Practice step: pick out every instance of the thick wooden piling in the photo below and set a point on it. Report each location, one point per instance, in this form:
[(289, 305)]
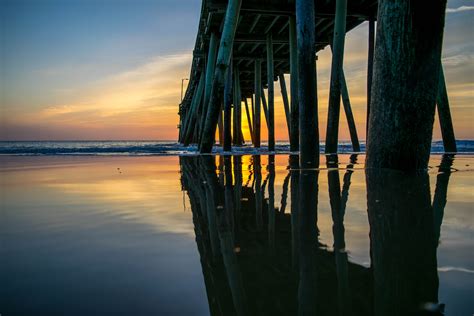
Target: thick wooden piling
[(349, 116), (294, 113), (228, 111), (258, 99), (220, 127), (286, 104), (210, 69), (405, 84), (370, 70), (189, 126), (237, 109), (308, 106), (223, 59), (444, 114), (271, 94), (336, 70)]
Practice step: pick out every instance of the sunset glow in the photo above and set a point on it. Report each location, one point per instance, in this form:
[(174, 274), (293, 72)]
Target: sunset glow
[(119, 83)]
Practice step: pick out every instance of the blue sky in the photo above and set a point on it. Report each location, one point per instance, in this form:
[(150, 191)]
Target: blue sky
[(84, 69)]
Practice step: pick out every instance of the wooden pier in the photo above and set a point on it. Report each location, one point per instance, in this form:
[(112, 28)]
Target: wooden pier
[(243, 47)]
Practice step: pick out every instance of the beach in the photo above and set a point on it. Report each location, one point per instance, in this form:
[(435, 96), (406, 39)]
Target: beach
[(131, 235)]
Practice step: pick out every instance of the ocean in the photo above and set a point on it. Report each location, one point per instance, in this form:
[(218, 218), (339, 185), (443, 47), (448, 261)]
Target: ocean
[(163, 148)]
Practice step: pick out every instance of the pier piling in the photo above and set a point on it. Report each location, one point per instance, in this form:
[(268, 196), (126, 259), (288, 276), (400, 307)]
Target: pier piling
[(267, 39)]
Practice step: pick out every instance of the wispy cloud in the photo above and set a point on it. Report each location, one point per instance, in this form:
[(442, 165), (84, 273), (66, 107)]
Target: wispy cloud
[(144, 97), (460, 9)]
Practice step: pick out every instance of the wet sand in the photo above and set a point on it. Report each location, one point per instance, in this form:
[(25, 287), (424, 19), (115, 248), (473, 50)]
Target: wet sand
[(137, 235)]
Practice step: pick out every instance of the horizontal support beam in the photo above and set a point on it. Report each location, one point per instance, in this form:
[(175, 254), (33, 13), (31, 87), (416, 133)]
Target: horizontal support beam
[(273, 9)]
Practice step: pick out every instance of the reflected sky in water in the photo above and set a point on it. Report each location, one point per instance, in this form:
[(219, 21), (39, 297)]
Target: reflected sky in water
[(118, 235)]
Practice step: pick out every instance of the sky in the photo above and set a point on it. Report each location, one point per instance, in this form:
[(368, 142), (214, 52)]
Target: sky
[(112, 69)]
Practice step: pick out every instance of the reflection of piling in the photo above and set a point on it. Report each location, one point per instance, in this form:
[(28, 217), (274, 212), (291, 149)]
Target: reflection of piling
[(237, 195), (271, 201), (295, 179), (307, 238), (258, 192), (441, 192), (242, 277), (403, 242), (337, 211), (284, 193)]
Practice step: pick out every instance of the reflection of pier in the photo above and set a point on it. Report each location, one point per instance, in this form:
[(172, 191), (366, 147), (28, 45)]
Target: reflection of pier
[(258, 260)]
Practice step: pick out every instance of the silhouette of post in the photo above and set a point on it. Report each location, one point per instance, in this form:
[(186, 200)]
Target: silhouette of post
[(223, 60), (444, 114), (257, 102), (294, 113), (308, 106), (334, 106), (228, 111), (286, 104), (405, 83), (210, 70)]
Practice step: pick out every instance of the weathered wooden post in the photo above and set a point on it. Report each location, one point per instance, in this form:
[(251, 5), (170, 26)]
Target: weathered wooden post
[(334, 105), (210, 69), (308, 114), (294, 113), (286, 104), (237, 109), (258, 99), (220, 127), (190, 123), (249, 121), (444, 114), (264, 107), (370, 70), (182, 117), (349, 116), (348, 111), (223, 59), (271, 94), (405, 84), (228, 110)]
